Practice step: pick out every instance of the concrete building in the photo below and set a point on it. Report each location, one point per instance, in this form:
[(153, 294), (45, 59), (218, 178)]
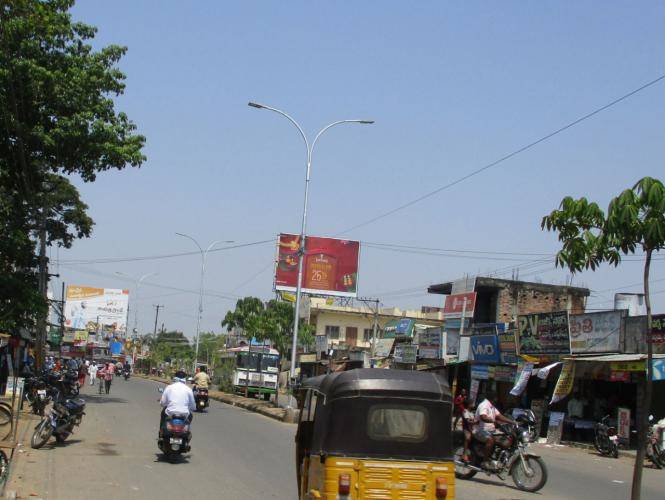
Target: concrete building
[(501, 300), (352, 325)]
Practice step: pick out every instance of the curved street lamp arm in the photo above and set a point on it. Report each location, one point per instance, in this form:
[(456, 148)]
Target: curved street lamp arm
[(288, 117), (189, 237), (338, 122)]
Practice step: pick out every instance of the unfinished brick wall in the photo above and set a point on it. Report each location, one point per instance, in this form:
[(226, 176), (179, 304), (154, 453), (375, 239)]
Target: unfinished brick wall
[(526, 300)]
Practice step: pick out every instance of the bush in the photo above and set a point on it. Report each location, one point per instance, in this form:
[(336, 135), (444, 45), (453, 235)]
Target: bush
[(224, 374)]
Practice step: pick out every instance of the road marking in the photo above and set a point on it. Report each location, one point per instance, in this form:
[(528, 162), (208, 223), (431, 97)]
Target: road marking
[(617, 481)]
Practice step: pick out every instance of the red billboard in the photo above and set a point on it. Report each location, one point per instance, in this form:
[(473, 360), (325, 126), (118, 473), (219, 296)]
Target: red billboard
[(330, 265), (454, 305)]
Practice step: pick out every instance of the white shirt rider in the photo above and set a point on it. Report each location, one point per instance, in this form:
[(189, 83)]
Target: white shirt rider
[(487, 409), (178, 399)]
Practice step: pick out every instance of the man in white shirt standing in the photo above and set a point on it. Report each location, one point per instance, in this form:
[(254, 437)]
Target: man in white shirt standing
[(487, 415), (92, 372), (177, 399)]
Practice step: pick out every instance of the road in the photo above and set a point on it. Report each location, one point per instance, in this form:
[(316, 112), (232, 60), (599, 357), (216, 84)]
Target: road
[(241, 455)]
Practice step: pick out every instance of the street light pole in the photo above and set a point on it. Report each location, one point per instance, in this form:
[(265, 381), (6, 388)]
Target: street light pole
[(303, 229), (204, 254), (136, 297)]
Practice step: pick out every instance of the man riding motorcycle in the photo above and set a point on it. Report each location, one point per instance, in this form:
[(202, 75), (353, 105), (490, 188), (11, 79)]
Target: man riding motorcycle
[(201, 379), (487, 415), (177, 399)]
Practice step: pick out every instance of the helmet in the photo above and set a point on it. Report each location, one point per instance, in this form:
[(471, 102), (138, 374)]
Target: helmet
[(180, 375)]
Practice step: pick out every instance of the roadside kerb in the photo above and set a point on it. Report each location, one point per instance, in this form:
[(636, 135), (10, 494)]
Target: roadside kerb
[(26, 423), (262, 407)]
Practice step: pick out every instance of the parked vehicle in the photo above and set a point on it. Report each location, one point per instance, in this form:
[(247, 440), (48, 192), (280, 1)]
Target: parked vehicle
[(655, 451), (38, 394), (509, 457), (201, 398), (60, 422), (375, 433), (606, 438), (256, 370)]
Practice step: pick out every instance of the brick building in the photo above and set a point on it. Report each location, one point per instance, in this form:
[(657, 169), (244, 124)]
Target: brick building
[(501, 300)]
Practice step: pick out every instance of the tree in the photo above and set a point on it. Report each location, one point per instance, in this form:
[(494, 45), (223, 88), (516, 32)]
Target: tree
[(59, 118), (635, 220), (240, 317)]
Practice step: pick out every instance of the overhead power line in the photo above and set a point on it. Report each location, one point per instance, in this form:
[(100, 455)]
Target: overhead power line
[(505, 157)]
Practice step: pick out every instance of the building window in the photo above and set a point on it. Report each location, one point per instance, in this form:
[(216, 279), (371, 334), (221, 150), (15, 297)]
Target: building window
[(332, 332), (368, 332)]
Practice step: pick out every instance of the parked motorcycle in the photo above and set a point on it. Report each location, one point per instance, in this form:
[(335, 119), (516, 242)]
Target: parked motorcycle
[(509, 457), (654, 450), (606, 438), (201, 398), (60, 422), (38, 394)]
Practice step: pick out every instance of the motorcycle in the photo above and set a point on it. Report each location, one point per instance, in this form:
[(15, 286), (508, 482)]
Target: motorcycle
[(606, 438), (37, 394), (126, 374), (60, 422), (526, 420), (509, 457), (201, 398), (174, 436), (654, 450)]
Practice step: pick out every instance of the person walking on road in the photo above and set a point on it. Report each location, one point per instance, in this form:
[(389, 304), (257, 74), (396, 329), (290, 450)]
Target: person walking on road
[(92, 372), (101, 375), (108, 376)]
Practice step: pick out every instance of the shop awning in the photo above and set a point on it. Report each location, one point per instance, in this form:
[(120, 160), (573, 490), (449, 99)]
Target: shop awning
[(615, 358)]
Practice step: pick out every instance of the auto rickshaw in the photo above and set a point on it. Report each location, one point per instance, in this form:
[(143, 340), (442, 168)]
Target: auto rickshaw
[(372, 433)]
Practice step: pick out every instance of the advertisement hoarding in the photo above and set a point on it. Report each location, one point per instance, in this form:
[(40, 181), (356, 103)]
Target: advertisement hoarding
[(88, 308), (330, 265), (406, 353), (485, 348), (507, 349), (595, 332), (658, 329), (454, 305), (429, 343), (543, 333)]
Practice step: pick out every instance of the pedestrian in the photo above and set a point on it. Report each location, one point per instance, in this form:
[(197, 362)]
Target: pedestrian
[(108, 376), (101, 375), (83, 372), (460, 403), (92, 372)]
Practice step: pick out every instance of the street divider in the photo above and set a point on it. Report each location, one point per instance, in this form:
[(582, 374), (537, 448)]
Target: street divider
[(265, 408)]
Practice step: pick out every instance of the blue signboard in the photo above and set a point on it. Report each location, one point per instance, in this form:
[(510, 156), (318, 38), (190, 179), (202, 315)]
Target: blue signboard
[(485, 348), (480, 372), (658, 366), (116, 347)]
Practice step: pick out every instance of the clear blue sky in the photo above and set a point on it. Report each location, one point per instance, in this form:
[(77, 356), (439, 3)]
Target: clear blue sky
[(452, 86)]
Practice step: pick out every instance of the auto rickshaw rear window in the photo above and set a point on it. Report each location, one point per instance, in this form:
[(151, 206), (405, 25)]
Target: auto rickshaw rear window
[(397, 423)]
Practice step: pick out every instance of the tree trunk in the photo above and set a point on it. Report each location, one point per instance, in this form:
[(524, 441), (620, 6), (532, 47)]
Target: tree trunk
[(636, 490)]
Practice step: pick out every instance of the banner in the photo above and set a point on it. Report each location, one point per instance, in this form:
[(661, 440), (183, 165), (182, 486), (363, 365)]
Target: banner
[(523, 379), (595, 332), (480, 372), (658, 367), (473, 390), (429, 343), (544, 333), (485, 348), (330, 265), (623, 423), (454, 305), (90, 309), (658, 329), (383, 347), (565, 383), (406, 353)]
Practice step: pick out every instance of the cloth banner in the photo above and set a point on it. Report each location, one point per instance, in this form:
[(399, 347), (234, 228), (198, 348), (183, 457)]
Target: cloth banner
[(565, 383), (544, 372), (523, 379)]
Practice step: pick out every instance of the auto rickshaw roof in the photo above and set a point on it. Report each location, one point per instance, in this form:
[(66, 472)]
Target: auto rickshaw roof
[(380, 382)]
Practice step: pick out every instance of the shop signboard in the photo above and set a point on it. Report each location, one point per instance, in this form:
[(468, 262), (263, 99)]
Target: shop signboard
[(485, 348), (406, 353), (399, 328), (520, 383), (458, 303), (623, 423), (68, 336), (504, 373), (543, 334), (480, 372), (330, 265), (464, 349), (91, 309), (658, 329), (116, 348), (595, 332), (658, 366), (507, 349), (383, 347), (473, 390), (456, 323), (628, 366), (429, 343), (620, 376), (565, 383)]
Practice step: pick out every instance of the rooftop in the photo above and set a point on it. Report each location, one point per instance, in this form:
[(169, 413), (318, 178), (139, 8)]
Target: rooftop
[(487, 282)]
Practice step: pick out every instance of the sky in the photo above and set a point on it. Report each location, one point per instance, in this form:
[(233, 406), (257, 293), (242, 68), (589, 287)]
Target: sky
[(452, 88)]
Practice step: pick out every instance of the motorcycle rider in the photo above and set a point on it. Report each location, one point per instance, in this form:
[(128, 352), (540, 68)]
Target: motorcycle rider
[(202, 379), (177, 399), (487, 415), (127, 368)]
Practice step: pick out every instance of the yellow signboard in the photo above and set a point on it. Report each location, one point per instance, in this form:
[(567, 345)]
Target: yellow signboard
[(628, 366)]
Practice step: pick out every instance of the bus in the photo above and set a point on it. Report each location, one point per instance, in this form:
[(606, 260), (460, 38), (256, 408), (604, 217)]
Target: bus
[(262, 365)]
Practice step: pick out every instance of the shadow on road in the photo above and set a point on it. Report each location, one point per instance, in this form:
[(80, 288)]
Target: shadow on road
[(161, 458), (102, 399), (491, 482)]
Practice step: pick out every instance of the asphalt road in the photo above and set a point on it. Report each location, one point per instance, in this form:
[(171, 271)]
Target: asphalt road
[(241, 455)]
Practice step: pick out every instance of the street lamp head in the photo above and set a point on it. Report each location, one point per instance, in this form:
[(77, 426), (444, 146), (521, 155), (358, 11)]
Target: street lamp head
[(255, 105), (366, 122)]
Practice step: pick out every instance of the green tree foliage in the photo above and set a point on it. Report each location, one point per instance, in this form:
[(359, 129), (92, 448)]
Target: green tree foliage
[(635, 220), (58, 118), (172, 347)]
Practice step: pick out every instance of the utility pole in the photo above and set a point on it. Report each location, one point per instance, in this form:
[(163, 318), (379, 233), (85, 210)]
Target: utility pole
[(461, 332), (43, 287), (157, 308), (375, 326)]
